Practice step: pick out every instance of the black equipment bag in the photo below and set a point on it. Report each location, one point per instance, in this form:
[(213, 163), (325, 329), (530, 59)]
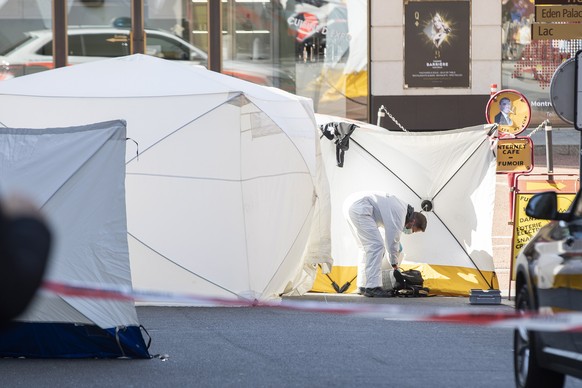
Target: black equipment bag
[(409, 284)]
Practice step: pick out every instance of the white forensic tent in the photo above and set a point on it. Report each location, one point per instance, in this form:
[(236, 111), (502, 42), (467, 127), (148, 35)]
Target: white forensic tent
[(76, 176), (224, 197), (453, 170)]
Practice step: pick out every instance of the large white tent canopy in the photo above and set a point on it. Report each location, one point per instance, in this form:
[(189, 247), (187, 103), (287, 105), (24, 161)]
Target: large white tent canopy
[(224, 198)]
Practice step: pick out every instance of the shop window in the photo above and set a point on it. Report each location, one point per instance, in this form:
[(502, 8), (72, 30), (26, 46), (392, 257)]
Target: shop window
[(528, 65)]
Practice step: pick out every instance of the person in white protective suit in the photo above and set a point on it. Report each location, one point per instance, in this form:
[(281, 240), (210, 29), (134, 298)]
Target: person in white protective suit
[(366, 213)]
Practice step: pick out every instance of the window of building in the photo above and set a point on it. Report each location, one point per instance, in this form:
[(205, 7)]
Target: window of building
[(529, 65), (312, 48)]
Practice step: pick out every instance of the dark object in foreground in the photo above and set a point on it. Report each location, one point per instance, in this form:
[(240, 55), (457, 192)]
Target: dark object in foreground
[(24, 249)]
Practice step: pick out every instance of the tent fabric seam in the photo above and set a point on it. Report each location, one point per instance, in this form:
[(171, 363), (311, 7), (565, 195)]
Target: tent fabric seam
[(386, 167), (242, 203), (460, 167), (221, 179), (235, 92), (183, 126), (111, 136), (286, 134), (297, 235), (184, 268)]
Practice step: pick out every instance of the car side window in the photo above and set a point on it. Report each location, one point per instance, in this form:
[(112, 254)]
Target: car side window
[(15, 46), (47, 49), (93, 45), (162, 47), (75, 45), (106, 45)]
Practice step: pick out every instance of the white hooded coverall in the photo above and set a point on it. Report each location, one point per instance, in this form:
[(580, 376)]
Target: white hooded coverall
[(366, 212)]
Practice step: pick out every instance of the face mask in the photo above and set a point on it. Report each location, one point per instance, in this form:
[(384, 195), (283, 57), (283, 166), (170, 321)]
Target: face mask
[(407, 231)]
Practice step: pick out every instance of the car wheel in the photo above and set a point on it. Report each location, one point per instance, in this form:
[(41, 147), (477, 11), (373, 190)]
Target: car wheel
[(528, 373)]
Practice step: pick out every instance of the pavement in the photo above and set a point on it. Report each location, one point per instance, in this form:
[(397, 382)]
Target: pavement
[(453, 302)]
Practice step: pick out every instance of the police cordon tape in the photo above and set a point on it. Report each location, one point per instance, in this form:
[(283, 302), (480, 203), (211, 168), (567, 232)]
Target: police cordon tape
[(505, 319)]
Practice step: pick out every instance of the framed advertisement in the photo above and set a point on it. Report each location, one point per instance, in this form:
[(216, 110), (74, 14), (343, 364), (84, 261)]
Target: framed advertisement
[(437, 43)]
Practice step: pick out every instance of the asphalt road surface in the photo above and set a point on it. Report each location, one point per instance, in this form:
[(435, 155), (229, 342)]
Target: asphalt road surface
[(267, 347)]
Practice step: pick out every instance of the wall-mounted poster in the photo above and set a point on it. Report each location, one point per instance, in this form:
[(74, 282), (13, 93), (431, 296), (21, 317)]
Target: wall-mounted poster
[(436, 43)]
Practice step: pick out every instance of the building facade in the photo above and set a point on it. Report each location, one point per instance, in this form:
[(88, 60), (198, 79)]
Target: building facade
[(429, 81), (430, 64)]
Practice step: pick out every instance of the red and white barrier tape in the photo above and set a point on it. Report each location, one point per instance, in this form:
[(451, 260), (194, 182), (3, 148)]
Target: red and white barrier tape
[(484, 316)]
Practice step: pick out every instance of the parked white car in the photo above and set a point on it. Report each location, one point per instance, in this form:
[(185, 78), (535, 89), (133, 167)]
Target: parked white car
[(90, 44), (85, 44)]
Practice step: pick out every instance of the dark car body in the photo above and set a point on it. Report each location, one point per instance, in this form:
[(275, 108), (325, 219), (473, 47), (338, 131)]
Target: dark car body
[(548, 275)]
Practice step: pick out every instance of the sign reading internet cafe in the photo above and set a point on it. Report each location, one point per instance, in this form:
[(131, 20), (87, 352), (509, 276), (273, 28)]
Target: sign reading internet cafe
[(514, 155)]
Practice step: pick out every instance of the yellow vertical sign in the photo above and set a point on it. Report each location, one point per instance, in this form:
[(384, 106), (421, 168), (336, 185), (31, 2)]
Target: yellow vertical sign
[(525, 227)]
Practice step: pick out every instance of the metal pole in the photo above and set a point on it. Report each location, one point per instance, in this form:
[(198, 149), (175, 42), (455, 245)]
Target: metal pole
[(380, 115), (549, 148), (60, 42), (215, 35), (137, 28), (276, 11)]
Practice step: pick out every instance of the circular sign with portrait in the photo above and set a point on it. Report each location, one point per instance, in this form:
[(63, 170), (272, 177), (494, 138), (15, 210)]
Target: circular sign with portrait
[(510, 109)]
